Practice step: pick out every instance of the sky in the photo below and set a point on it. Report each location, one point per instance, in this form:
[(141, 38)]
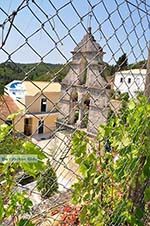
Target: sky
[(117, 25)]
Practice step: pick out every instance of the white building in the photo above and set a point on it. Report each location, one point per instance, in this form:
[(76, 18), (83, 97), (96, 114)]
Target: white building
[(130, 81), (15, 89)]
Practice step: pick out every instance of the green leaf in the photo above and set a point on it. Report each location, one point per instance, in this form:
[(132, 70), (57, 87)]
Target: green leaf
[(101, 133), (147, 167), (147, 195), (25, 222), (83, 215), (83, 169), (30, 148), (1, 208), (125, 139), (97, 179), (132, 104), (139, 213), (32, 168), (4, 129)]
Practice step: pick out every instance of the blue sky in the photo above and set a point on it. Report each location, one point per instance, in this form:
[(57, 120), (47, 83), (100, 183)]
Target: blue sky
[(118, 27)]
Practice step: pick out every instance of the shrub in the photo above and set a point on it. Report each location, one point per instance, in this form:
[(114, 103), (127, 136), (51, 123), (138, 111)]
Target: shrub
[(15, 204), (47, 182)]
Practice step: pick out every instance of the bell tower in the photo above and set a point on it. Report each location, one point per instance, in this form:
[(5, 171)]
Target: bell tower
[(85, 92)]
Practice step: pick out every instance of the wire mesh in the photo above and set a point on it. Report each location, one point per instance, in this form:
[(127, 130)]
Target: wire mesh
[(65, 65)]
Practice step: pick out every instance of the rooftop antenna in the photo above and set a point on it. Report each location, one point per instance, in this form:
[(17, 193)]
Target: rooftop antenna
[(89, 23)]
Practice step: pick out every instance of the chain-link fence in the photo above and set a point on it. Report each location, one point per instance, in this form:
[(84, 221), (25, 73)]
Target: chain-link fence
[(73, 75)]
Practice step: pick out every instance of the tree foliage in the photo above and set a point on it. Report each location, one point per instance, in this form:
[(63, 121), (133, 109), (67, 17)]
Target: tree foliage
[(114, 188), (14, 204), (141, 65), (122, 62)]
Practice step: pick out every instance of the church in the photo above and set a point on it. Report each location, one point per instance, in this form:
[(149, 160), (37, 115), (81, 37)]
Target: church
[(85, 91)]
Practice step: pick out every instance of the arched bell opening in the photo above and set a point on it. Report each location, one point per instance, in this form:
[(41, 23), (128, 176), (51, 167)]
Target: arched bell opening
[(86, 106), (74, 111)]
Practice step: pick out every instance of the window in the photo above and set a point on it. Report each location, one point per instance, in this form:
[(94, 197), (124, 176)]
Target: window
[(138, 81), (43, 105), (129, 80), (121, 80)]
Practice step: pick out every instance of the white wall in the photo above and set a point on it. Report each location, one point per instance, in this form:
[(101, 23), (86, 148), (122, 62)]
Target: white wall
[(130, 82)]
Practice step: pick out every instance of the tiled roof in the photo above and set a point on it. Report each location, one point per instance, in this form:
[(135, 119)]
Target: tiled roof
[(7, 107)]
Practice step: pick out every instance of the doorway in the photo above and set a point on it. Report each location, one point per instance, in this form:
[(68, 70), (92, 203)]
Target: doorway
[(28, 126), (41, 127)]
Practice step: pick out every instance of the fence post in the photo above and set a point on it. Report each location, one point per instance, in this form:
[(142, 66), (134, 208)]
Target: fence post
[(147, 84)]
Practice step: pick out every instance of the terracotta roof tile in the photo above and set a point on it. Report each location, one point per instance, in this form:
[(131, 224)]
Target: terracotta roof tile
[(7, 107)]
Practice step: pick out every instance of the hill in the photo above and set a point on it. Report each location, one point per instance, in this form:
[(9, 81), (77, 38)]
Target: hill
[(141, 64), (46, 71), (43, 72)]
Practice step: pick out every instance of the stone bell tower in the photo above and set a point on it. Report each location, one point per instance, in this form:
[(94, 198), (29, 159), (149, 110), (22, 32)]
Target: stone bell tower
[(85, 92)]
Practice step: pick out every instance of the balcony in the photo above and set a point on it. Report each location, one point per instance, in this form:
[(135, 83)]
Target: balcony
[(42, 114)]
